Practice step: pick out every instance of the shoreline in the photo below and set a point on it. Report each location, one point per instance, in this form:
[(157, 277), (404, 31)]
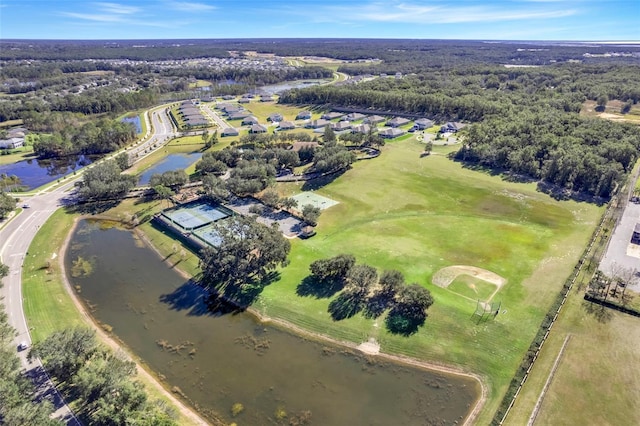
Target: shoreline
[(287, 326), (116, 345)]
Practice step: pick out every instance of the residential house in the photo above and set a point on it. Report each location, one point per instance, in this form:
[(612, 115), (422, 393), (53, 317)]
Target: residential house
[(361, 128), (266, 98), (238, 115), (397, 122), (423, 123), (275, 117), (374, 119), (286, 125), (249, 120), (228, 97), (354, 116), (319, 123), (244, 100), (332, 115), (341, 126), (390, 133), (196, 121), (297, 146), (230, 131), (451, 127), (258, 128), (11, 143), (230, 109), (303, 115)]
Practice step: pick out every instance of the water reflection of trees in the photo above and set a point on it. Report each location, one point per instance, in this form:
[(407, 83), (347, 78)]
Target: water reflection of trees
[(62, 166)]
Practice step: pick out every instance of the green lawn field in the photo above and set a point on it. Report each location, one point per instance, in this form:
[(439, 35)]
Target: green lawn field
[(419, 215)]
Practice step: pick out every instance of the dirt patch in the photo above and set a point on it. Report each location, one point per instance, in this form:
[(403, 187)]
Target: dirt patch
[(445, 276), (370, 347)]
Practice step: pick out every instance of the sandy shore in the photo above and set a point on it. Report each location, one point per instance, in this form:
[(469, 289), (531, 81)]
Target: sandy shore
[(370, 347)]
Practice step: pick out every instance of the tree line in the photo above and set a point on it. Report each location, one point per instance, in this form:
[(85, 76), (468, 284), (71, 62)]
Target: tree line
[(103, 381), (591, 156)]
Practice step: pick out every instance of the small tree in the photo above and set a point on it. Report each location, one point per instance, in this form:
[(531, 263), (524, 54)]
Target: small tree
[(329, 135), (205, 136), (360, 279), (289, 203), (428, 147), (310, 214), (213, 140), (601, 102), (163, 192), (4, 271), (271, 198), (123, 161)]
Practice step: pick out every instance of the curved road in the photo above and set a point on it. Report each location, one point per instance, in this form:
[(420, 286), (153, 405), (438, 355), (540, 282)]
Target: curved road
[(16, 236)]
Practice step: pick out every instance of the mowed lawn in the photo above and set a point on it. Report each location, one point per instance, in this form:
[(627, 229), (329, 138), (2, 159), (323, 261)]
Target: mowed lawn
[(47, 304), (418, 215)]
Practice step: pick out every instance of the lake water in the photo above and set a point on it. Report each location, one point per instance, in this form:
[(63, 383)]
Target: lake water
[(168, 163), (221, 360), (276, 89), (34, 173)]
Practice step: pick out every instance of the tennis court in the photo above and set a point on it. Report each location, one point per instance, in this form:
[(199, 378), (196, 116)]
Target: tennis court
[(314, 199), (209, 235), (196, 215)]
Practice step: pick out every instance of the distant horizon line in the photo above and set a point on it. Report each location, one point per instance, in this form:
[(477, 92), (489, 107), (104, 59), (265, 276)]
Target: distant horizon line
[(631, 42)]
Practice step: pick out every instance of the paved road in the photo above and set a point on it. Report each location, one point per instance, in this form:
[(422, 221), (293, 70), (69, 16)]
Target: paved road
[(616, 255), (215, 117), (15, 238)]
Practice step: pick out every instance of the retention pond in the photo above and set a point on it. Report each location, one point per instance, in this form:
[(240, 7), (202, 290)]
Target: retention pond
[(233, 365)]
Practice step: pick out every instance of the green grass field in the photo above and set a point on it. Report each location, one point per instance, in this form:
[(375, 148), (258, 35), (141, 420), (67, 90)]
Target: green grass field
[(18, 154), (472, 287), (419, 215)]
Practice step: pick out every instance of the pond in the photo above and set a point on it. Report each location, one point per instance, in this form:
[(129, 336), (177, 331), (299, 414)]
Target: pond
[(220, 360), (135, 121), (275, 89), (35, 172), (168, 163)]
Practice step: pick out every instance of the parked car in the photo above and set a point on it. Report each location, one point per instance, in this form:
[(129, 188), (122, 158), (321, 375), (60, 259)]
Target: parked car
[(25, 206), (22, 346)]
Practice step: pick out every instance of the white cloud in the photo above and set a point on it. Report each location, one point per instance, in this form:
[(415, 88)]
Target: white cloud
[(117, 8), (437, 12), (187, 6), (105, 12), (94, 17)]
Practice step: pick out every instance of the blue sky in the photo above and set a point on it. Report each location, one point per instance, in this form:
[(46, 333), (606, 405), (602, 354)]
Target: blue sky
[(438, 19)]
